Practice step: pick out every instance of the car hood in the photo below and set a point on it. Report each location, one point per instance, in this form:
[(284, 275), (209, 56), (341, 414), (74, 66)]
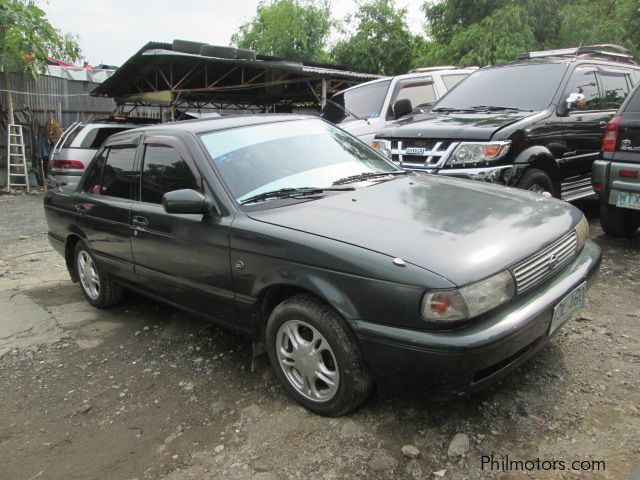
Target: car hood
[(459, 126), (462, 230)]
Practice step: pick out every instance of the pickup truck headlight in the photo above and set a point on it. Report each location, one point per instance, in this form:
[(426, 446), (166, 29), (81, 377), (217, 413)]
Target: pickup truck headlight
[(582, 231), (469, 301), (474, 152), (382, 146)]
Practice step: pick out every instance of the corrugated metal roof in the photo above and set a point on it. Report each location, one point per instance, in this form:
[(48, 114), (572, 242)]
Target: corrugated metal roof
[(157, 67)]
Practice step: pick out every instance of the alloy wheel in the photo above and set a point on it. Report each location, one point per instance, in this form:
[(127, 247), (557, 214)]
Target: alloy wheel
[(88, 275), (307, 361)]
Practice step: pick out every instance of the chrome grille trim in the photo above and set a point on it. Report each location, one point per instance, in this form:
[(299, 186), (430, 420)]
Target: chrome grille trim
[(545, 263), (421, 154)]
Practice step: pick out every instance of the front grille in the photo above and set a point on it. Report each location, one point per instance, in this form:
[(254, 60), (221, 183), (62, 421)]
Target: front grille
[(545, 263), (420, 153)]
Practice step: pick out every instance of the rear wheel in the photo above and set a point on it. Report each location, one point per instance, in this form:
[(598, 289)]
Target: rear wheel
[(536, 180), (97, 286), (316, 358), (618, 222)]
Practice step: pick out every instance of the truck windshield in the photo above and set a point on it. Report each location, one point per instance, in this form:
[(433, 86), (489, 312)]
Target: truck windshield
[(362, 102), (525, 87)]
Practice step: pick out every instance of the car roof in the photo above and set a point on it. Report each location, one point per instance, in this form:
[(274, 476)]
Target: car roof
[(450, 71), (203, 125)]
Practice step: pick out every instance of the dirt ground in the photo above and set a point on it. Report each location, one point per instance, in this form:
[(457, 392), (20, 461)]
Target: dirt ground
[(143, 391)]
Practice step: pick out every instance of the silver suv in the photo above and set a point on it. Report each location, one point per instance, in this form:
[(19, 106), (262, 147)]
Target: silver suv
[(77, 146)]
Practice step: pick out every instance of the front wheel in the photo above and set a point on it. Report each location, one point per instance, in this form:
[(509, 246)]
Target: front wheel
[(538, 181), (316, 358), (97, 286), (618, 222)]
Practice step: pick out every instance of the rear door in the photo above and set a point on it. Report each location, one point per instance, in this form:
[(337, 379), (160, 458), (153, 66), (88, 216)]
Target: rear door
[(183, 258), (104, 205), (624, 173)]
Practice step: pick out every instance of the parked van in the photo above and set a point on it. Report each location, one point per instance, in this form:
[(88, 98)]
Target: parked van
[(365, 109)]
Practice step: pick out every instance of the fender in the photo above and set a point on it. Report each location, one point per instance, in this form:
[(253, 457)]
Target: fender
[(537, 156)]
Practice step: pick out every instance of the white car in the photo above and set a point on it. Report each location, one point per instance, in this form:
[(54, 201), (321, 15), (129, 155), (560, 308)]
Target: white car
[(365, 109)]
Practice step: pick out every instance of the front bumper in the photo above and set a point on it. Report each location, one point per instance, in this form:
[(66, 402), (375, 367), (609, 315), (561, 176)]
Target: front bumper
[(498, 174), (444, 364)]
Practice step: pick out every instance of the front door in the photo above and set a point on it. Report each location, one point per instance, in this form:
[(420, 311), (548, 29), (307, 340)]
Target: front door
[(584, 126), (182, 258)]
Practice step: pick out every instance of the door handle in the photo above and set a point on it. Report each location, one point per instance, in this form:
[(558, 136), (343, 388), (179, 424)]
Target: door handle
[(80, 208), (603, 122), (139, 221)]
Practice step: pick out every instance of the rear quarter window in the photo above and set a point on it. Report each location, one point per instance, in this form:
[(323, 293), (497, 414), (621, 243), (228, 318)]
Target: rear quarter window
[(97, 136), (615, 86)]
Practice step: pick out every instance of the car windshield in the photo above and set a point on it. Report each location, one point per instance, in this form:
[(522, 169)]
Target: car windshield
[(362, 102), (299, 154), (523, 87)]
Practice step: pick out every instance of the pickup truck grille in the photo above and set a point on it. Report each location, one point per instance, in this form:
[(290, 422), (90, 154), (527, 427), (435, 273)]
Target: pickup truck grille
[(421, 154), (545, 263)]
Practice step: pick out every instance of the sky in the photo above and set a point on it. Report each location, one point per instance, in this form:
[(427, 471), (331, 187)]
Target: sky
[(111, 31)]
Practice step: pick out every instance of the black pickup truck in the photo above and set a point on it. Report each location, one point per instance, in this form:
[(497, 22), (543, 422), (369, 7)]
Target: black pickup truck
[(345, 268), (535, 123)]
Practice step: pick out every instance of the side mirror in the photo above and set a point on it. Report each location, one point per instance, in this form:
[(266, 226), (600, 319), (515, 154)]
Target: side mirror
[(185, 201), (574, 100), (402, 107)]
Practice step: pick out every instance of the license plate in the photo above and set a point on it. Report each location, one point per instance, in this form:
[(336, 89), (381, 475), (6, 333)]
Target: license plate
[(568, 306), (629, 200)]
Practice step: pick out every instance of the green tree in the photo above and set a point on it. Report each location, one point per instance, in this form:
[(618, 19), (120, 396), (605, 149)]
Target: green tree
[(292, 29), (26, 39), (381, 42), (605, 21)]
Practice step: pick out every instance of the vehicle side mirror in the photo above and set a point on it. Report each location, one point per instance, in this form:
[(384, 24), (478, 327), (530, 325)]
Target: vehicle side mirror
[(402, 107), (185, 201), (572, 101)]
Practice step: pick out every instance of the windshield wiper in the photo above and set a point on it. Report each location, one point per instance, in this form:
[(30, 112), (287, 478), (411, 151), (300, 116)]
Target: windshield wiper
[(367, 176), (495, 108), (289, 192), (451, 110), (344, 109)]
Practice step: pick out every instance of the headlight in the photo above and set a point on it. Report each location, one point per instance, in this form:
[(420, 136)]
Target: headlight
[(474, 152), (469, 301), (382, 146), (582, 231)]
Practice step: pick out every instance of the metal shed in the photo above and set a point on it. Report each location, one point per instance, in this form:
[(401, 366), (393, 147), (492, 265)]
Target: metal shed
[(185, 75)]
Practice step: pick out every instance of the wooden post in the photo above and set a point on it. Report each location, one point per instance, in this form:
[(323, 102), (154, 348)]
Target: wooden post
[(7, 83), (323, 95)]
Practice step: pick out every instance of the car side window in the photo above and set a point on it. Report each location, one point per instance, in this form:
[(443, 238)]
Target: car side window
[(97, 136), (119, 175), (616, 87), (452, 80), (91, 182), (164, 170), (420, 93), (584, 87)]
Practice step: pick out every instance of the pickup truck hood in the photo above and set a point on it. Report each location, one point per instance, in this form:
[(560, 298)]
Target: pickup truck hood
[(462, 230), (459, 126)]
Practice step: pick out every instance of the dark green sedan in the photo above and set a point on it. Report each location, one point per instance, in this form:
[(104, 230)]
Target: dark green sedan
[(348, 271)]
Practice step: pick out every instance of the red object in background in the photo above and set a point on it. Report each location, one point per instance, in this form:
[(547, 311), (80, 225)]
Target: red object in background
[(95, 190)]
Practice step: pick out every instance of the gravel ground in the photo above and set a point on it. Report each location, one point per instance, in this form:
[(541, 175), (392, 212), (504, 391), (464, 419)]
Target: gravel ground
[(143, 391)]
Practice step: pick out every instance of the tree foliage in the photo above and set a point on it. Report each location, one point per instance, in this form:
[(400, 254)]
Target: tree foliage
[(381, 41), (468, 32), (27, 38), (292, 29)]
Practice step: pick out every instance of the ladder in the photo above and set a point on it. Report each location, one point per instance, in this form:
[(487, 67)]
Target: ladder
[(17, 174)]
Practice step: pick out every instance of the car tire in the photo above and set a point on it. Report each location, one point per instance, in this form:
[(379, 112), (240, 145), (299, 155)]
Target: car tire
[(536, 180), (617, 222), (97, 286), (316, 358)]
